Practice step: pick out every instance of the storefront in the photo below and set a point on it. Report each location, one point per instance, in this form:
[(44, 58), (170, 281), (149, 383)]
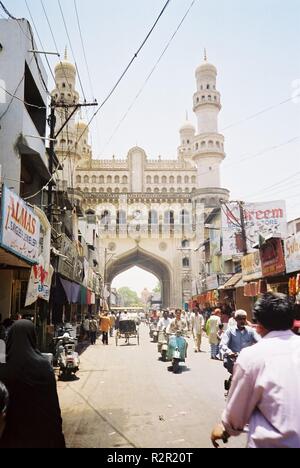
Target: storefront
[(19, 251), (292, 260)]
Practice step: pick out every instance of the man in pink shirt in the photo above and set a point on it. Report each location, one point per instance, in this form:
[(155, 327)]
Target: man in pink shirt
[(266, 382)]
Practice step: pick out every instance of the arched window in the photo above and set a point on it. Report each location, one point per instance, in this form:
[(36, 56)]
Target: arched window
[(148, 190), (109, 180), (153, 217), (179, 180), (164, 190), (203, 144), (117, 180), (125, 180), (172, 180), (86, 180), (94, 190), (94, 180), (101, 179), (78, 179), (186, 262), (169, 218), (148, 179), (86, 190), (109, 190), (197, 146), (122, 217), (210, 144), (208, 87), (187, 190), (101, 189), (156, 190), (194, 179), (186, 180), (179, 190), (218, 144), (105, 218), (117, 190), (164, 180), (209, 98), (156, 179), (185, 218), (185, 244), (124, 190), (172, 190)]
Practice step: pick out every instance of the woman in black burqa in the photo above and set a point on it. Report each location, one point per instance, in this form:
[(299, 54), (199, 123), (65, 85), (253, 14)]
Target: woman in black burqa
[(33, 416)]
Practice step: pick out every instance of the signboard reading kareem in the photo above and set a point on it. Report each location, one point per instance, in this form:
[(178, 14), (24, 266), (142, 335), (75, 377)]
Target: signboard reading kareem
[(20, 227)]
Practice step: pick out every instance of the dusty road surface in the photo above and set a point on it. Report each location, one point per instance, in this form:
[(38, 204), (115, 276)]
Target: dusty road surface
[(125, 397)]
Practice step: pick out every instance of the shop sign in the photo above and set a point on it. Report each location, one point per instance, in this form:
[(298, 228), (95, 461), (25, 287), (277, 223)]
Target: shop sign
[(272, 257), (20, 227), (292, 253), (67, 261), (260, 219), (212, 282), (223, 279), (251, 266), (39, 284)]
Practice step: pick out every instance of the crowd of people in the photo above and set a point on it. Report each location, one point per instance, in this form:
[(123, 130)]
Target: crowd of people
[(263, 396)]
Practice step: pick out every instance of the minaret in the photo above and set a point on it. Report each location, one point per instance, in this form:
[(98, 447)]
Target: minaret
[(66, 147), (208, 143), (187, 135)]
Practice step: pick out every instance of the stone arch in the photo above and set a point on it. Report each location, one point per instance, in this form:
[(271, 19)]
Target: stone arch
[(148, 262)]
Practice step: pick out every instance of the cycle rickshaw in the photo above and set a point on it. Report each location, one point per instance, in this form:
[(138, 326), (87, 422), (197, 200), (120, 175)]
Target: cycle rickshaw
[(127, 329)]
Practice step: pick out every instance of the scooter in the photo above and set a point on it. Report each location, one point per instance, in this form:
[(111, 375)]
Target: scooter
[(67, 358), (229, 361), (177, 350), (153, 333), (162, 346)]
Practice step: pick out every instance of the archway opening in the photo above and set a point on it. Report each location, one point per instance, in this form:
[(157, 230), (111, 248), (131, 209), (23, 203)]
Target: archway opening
[(146, 261), (137, 286)]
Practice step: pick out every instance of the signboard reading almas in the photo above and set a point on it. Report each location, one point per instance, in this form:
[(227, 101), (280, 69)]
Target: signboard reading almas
[(20, 227)]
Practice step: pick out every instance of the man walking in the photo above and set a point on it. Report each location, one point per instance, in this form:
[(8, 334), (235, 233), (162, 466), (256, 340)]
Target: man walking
[(266, 381), (105, 327), (197, 325)]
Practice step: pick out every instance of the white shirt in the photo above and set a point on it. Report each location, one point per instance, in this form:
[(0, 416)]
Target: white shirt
[(163, 323), (265, 392), (197, 322)]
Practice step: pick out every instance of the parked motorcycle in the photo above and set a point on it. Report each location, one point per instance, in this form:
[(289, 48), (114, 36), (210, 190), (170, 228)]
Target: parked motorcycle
[(177, 350), (66, 356), (163, 345)]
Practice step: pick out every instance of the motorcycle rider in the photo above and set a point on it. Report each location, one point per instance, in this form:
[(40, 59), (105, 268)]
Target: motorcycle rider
[(164, 321), (176, 324), (237, 338)]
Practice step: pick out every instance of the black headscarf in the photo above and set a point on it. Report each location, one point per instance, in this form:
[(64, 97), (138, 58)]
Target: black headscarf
[(33, 417), (23, 359)]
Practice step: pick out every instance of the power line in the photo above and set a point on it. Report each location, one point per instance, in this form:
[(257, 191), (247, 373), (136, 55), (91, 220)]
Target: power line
[(275, 185), (131, 62), (149, 76), (72, 50), (263, 111), (21, 100)]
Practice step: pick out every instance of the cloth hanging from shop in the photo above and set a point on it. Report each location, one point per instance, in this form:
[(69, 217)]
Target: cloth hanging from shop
[(72, 291), (83, 293)]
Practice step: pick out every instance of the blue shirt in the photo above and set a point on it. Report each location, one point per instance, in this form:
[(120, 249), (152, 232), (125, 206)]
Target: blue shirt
[(234, 340)]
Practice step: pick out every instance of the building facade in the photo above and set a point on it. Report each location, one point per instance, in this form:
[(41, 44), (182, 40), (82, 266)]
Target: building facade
[(147, 213)]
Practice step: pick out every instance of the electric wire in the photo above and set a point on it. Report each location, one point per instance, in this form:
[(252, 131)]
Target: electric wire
[(149, 76)]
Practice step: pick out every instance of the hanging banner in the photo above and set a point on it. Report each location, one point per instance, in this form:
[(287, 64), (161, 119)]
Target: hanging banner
[(260, 219), (292, 253), (251, 266), (39, 284), (20, 227)]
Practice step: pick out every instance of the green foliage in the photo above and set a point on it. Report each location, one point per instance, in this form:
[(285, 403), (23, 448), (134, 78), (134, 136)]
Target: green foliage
[(129, 297), (157, 288)]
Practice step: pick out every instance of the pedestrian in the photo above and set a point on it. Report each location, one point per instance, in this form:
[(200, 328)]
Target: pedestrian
[(112, 324), (3, 407), (212, 326), (86, 328), (266, 380), (93, 330), (33, 418), (105, 327), (219, 336), (197, 325)]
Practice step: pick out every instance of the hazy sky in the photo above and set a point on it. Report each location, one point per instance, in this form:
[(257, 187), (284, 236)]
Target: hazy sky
[(255, 46), (137, 279)]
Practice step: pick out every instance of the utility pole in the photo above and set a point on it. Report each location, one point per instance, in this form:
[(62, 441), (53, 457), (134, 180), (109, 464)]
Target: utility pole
[(244, 236)]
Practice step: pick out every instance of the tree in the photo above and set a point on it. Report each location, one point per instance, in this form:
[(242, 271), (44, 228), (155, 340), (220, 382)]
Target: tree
[(129, 297), (157, 288)]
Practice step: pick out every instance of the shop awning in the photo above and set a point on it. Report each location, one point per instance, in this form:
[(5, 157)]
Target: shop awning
[(232, 282), (9, 259)]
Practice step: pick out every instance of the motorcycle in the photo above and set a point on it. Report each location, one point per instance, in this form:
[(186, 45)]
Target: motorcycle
[(229, 361), (177, 350), (67, 358), (153, 333), (162, 346)]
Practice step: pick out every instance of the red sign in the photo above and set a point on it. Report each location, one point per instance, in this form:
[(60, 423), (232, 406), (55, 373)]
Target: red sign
[(272, 257)]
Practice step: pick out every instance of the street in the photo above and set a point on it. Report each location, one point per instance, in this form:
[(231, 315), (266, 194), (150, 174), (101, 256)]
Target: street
[(126, 398)]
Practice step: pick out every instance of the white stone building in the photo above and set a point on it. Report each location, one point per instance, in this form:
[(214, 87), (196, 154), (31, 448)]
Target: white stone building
[(146, 210)]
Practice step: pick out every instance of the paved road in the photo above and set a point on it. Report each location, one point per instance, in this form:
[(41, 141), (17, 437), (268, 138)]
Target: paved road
[(125, 397)]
